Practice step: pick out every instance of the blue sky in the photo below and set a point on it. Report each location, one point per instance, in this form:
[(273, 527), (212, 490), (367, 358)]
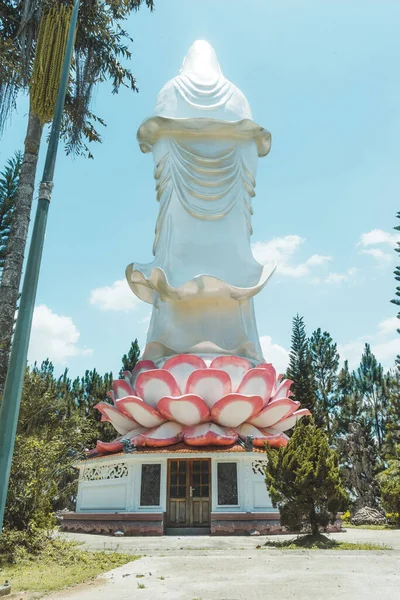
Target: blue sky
[(322, 76)]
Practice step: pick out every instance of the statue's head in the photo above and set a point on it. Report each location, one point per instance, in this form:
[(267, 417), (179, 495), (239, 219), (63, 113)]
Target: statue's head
[(201, 63)]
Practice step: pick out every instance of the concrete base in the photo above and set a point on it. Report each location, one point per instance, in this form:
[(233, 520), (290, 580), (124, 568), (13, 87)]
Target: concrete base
[(245, 523), (145, 524), (187, 531), (131, 524)]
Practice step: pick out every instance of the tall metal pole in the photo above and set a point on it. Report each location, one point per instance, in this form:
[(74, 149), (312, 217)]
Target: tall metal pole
[(9, 409)]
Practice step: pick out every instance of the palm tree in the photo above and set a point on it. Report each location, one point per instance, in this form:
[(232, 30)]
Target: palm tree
[(32, 40)]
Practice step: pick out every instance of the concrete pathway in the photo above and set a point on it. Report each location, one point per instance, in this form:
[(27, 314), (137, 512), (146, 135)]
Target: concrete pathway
[(232, 568)]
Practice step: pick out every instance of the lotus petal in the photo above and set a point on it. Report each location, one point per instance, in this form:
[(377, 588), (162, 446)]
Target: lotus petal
[(154, 384), (109, 447), (234, 409), (143, 414), (290, 421), (282, 390), (268, 367), (181, 366), (235, 366), (261, 437), (259, 382), (165, 435), (274, 412), (119, 421), (275, 440), (121, 389), (208, 434), (142, 365), (188, 409), (210, 384), (117, 444)]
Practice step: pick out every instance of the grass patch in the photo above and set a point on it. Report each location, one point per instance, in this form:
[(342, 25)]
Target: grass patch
[(321, 542), (60, 565)]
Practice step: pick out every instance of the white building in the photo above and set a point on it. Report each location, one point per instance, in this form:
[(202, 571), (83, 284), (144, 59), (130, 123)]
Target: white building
[(156, 491)]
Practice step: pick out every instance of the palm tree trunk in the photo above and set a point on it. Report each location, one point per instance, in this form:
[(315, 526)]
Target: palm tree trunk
[(11, 276)]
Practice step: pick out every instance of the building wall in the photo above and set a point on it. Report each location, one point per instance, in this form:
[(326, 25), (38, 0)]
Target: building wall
[(111, 485)]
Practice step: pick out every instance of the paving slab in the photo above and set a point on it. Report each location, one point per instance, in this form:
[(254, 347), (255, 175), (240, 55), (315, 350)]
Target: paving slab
[(233, 568), (156, 546)]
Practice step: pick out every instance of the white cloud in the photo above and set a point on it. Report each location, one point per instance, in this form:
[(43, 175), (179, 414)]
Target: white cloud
[(375, 237), (388, 326), (318, 259), (118, 297), (54, 336), (380, 255), (378, 236), (275, 354), (281, 251), (337, 278), (385, 350)]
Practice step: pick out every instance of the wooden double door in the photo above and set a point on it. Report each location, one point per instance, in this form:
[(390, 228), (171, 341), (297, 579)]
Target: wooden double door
[(189, 492)]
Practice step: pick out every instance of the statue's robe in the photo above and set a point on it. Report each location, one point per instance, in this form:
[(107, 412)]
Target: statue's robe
[(203, 276)]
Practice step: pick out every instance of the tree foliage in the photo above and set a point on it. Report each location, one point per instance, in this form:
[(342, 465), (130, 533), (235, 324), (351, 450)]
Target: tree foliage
[(300, 369), (348, 402), (101, 50), (303, 480), (359, 465), (392, 429), (129, 360), (396, 300), (8, 191), (57, 424), (373, 384), (325, 363), (389, 483)]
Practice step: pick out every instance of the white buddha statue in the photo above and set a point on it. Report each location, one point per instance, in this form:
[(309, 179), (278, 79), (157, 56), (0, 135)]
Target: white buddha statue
[(203, 277)]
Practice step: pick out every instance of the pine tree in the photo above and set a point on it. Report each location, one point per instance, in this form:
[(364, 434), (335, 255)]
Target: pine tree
[(8, 192), (303, 479), (359, 465), (348, 402), (392, 429), (88, 391), (325, 363), (396, 300), (300, 369), (129, 360), (373, 385)]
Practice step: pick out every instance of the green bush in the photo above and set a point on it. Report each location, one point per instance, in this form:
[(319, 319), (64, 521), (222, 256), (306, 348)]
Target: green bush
[(389, 483), (303, 480), (17, 546)]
